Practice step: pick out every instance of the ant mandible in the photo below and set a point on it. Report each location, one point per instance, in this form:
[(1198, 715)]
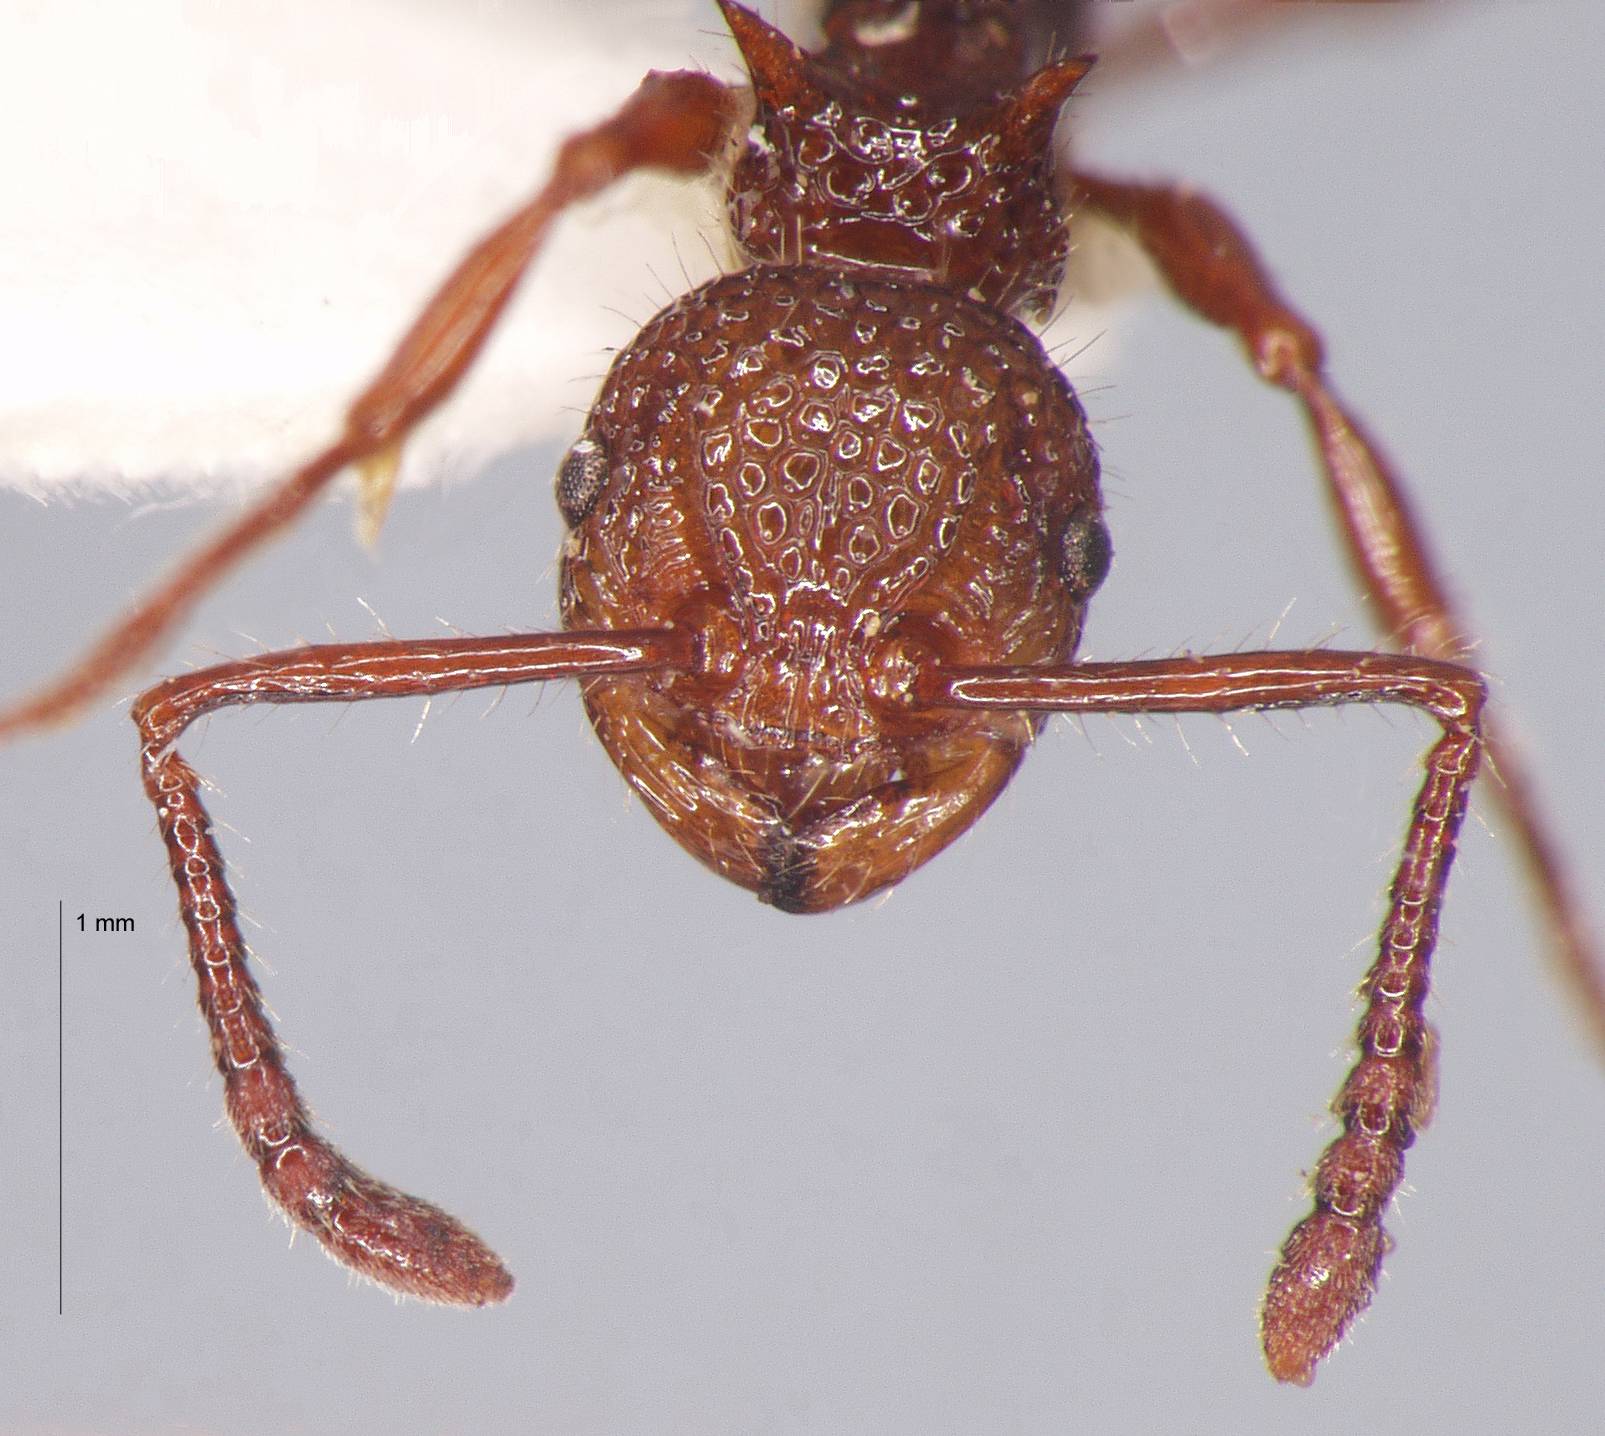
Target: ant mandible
[(834, 522)]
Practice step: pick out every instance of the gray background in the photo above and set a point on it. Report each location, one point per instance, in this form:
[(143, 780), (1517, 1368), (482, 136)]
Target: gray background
[(1009, 1151)]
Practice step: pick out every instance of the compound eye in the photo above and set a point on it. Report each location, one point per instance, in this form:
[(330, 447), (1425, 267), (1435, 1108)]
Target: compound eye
[(581, 477), (1084, 552)]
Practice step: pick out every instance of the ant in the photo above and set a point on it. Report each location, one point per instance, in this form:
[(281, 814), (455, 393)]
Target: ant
[(907, 667)]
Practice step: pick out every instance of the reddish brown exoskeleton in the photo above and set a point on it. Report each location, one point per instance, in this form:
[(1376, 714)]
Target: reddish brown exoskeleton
[(835, 520)]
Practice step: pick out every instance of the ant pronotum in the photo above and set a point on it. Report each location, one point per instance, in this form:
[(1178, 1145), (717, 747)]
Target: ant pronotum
[(779, 892)]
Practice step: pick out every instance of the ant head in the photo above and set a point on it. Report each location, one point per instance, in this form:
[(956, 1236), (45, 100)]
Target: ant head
[(833, 484), (957, 190)]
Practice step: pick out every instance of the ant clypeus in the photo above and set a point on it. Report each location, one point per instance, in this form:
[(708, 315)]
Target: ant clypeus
[(783, 880)]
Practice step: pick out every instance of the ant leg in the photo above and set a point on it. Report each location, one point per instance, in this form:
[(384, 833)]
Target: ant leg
[(1330, 1262), (1212, 269), (384, 1234), (678, 122)]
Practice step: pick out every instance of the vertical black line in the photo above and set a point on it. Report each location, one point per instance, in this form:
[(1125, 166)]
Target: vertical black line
[(61, 1117)]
